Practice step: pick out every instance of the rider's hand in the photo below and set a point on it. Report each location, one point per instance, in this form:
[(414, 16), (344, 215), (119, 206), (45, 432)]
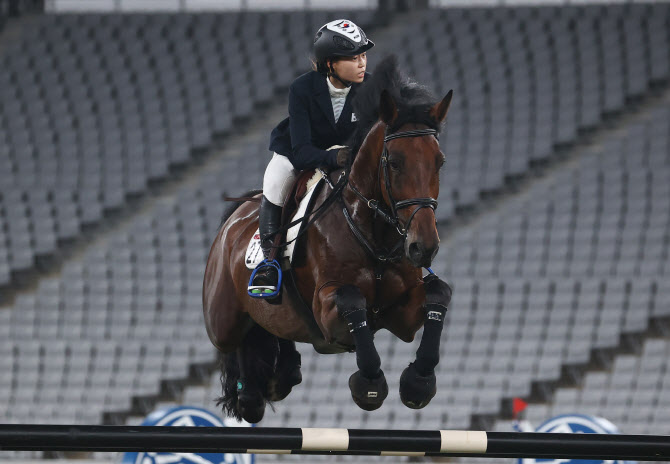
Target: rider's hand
[(344, 157)]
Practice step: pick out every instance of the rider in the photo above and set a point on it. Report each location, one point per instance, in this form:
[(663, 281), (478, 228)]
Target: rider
[(320, 116)]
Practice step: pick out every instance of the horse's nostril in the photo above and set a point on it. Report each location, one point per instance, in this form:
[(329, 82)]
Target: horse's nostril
[(419, 255), (415, 251)]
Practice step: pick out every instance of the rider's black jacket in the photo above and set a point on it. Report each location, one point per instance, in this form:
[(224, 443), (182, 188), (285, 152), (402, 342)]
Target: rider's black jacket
[(310, 128)]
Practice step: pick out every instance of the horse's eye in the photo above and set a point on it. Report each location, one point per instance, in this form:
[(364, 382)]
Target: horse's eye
[(394, 165)]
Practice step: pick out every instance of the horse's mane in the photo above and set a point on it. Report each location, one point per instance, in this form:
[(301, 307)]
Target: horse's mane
[(412, 99)]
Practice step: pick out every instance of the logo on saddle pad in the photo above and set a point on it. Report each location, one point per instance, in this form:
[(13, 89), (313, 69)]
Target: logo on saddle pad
[(254, 254)]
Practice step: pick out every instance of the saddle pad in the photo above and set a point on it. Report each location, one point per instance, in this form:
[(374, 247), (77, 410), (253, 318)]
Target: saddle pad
[(254, 254)]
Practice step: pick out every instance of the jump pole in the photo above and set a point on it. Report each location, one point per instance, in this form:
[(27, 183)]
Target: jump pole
[(262, 440)]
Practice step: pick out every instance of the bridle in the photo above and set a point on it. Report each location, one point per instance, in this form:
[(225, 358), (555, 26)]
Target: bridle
[(392, 218)]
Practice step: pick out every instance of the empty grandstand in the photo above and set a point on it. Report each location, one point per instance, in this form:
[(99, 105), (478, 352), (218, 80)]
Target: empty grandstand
[(120, 134)]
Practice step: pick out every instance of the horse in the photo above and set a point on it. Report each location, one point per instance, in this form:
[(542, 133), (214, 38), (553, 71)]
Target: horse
[(359, 271)]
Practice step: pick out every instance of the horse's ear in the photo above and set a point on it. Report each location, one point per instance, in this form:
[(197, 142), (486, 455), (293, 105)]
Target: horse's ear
[(439, 111), (388, 111)]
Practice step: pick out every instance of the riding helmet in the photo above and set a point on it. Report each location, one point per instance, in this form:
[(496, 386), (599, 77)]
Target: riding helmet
[(340, 38)]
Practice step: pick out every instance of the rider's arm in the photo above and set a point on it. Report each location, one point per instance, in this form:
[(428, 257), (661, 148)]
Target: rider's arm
[(305, 155)]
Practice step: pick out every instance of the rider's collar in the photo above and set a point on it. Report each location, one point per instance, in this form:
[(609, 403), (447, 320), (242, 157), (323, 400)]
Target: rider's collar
[(334, 91)]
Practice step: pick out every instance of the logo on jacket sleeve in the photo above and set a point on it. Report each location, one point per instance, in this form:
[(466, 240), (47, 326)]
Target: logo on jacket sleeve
[(353, 117)]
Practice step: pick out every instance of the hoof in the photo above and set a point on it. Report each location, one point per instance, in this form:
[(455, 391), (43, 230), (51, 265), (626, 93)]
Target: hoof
[(251, 407), (416, 391), (368, 394), (282, 384)]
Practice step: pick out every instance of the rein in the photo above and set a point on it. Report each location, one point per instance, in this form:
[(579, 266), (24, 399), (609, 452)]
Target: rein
[(318, 212), (392, 218)]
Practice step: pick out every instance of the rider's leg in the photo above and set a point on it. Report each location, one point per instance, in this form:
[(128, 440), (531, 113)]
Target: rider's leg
[(277, 181), (269, 220)]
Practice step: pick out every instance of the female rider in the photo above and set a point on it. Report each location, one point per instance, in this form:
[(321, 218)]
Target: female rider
[(320, 116)]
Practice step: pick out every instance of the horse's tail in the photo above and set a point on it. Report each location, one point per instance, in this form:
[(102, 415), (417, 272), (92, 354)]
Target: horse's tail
[(245, 388), (236, 203), (230, 372)]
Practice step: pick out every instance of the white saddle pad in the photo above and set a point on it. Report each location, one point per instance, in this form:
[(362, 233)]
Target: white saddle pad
[(254, 254)]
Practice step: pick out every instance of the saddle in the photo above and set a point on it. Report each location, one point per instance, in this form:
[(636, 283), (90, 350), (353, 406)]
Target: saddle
[(305, 181), (299, 203)]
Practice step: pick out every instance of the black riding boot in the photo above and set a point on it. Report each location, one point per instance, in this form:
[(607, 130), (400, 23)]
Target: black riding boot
[(269, 221)]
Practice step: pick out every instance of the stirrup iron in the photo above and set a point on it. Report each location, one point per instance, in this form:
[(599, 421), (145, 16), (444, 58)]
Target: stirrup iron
[(262, 291)]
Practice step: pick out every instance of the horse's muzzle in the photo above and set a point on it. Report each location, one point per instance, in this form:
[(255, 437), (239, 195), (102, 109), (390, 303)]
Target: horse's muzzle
[(419, 255)]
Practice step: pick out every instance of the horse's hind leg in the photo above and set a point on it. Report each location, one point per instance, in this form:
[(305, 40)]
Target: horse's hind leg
[(246, 374), (257, 358), (287, 373)]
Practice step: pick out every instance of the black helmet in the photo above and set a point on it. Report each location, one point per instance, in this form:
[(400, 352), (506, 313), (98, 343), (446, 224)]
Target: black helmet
[(340, 38)]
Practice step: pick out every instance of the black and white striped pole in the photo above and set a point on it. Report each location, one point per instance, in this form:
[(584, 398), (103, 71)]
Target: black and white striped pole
[(333, 441)]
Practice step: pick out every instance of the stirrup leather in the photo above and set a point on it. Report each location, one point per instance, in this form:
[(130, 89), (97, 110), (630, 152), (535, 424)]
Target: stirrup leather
[(265, 291)]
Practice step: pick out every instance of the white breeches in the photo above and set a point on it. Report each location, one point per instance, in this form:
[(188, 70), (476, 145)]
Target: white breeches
[(278, 179)]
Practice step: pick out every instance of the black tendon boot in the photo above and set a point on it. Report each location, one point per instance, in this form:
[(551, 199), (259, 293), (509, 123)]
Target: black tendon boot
[(265, 283)]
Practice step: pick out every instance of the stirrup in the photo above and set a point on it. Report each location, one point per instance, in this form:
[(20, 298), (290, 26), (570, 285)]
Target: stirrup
[(265, 291)]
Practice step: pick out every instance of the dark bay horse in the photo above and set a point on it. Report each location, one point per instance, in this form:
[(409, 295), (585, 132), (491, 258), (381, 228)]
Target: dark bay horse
[(360, 269)]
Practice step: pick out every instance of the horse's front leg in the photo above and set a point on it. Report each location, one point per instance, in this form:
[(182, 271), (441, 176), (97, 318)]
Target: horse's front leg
[(368, 385), (417, 382)]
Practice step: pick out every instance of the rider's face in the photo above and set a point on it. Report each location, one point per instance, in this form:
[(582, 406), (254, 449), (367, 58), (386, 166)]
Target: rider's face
[(351, 68)]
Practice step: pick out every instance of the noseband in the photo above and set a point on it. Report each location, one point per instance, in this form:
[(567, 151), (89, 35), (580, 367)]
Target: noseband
[(392, 218)]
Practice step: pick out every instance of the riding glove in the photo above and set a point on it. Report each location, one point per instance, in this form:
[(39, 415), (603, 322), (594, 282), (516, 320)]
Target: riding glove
[(344, 157)]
